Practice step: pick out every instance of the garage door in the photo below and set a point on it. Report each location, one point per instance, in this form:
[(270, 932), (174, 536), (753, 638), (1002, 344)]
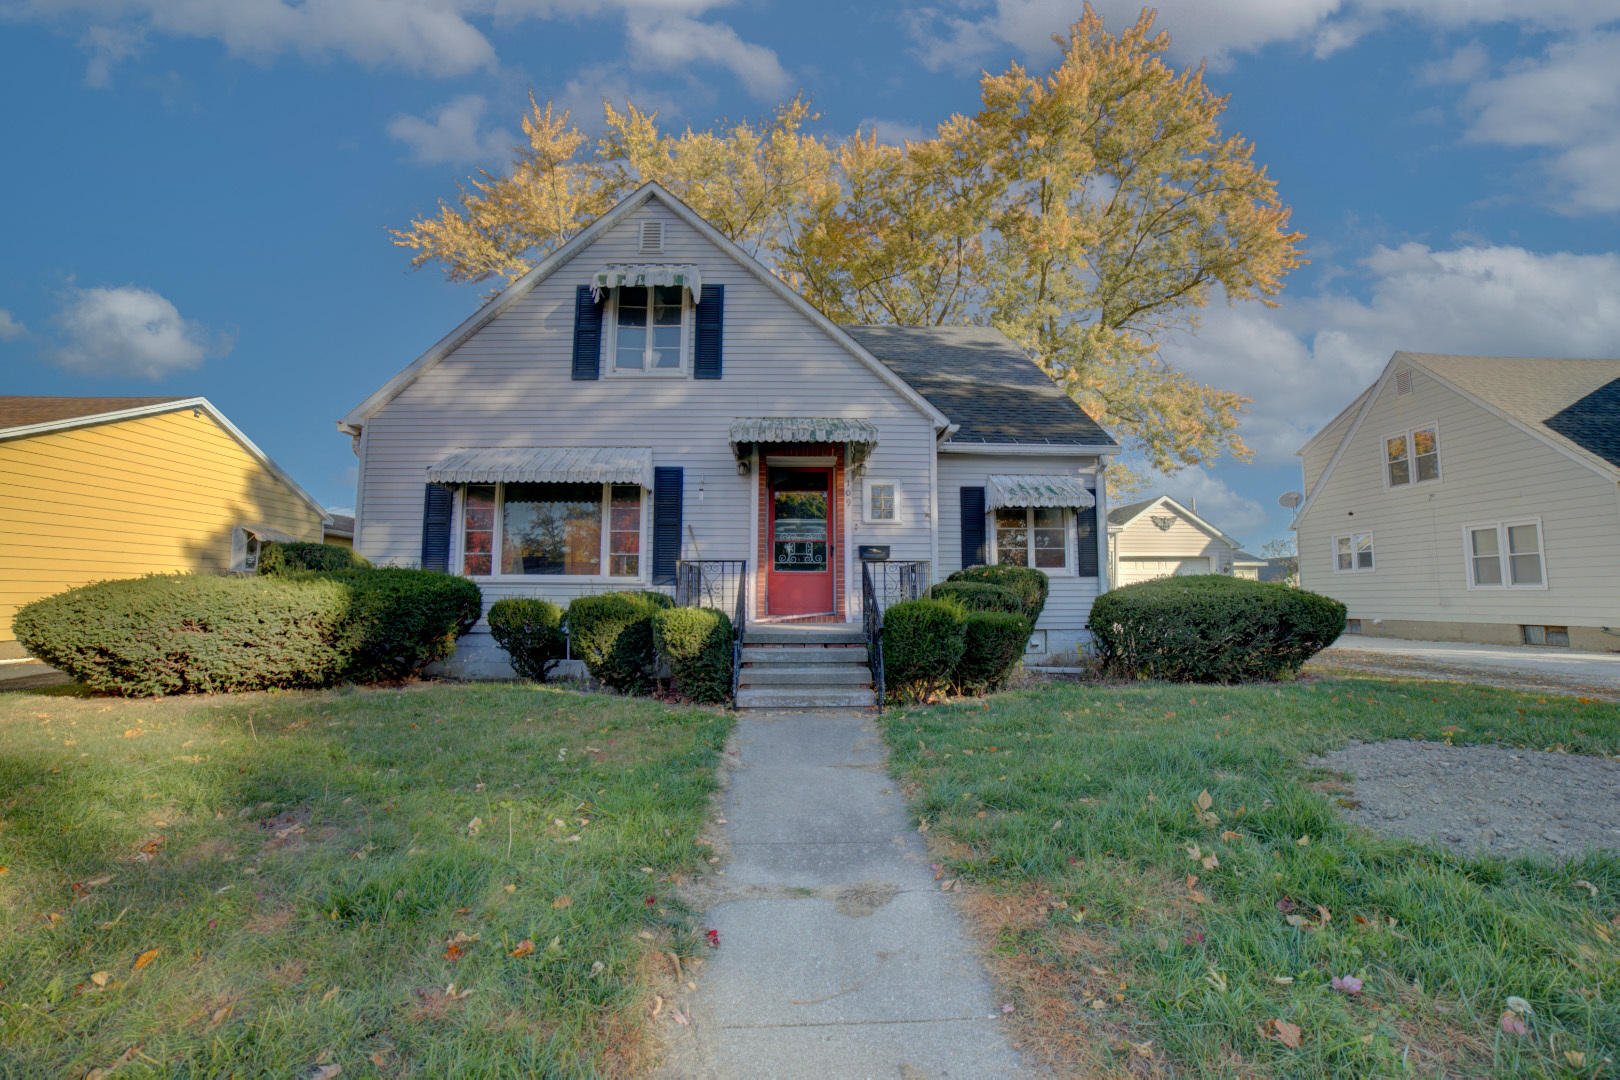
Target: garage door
[(1142, 569)]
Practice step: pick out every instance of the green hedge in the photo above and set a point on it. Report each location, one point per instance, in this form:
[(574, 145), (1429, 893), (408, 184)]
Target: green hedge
[(292, 558), (531, 632), (1211, 628), (1030, 586), (993, 644), (400, 621), (696, 644), (922, 642), (612, 633), (980, 596)]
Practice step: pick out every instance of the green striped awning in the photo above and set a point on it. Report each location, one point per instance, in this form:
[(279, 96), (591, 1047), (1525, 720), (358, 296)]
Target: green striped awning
[(1036, 490), (803, 429)]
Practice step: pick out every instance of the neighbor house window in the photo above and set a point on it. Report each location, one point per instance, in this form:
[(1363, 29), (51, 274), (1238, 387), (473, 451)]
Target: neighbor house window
[(1352, 553), (1032, 536), (1506, 555), (649, 330), (1412, 457), (577, 530), (882, 501)]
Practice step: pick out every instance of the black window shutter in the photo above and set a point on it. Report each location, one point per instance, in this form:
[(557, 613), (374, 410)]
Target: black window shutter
[(437, 506), (973, 548), (1086, 529), (710, 320), (587, 334), (668, 483)]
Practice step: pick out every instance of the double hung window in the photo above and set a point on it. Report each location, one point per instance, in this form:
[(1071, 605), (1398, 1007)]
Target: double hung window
[(649, 330), (1412, 457), (1032, 536), (1353, 553), (1506, 555), (578, 530)]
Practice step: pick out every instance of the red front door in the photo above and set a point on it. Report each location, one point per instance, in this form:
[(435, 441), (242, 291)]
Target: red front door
[(800, 574)]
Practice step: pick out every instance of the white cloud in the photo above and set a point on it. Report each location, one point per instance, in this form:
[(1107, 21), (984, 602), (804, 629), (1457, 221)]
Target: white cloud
[(674, 43), (107, 46), (129, 331), (1234, 514), (11, 327), (454, 135), (1464, 65), (895, 132), (1303, 362)]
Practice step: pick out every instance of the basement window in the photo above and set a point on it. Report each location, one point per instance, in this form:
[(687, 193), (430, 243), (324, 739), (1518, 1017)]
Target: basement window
[(1556, 636)]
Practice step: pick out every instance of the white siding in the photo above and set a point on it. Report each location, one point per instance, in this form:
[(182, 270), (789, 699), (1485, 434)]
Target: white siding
[(510, 385), (1315, 457), (1068, 603), (1490, 471)]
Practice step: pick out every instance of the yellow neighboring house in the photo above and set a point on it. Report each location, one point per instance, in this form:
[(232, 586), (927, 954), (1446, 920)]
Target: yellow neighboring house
[(98, 488)]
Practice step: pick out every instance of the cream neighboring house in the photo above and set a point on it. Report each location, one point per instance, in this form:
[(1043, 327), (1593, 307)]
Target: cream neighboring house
[(1471, 498), (99, 488), (1159, 537)]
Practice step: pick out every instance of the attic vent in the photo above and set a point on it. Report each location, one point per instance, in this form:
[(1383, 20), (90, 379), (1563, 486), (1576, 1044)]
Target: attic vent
[(1403, 380), (652, 238)]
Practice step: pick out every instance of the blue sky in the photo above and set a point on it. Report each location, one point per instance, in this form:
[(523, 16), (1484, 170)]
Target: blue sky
[(197, 193)]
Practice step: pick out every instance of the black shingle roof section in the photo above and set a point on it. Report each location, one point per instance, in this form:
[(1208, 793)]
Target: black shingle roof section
[(981, 380), (1593, 422)]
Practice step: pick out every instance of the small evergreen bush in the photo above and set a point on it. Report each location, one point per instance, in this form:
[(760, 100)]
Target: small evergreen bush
[(612, 633), (993, 644), (980, 596), (696, 644), (1211, 628), (531, 632), (922, 642), (1031, 586), (293, 558)]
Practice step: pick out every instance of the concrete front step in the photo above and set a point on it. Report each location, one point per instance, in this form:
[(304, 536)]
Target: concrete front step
[(805, 698), (824, 675), (803, 634), (807, 654)]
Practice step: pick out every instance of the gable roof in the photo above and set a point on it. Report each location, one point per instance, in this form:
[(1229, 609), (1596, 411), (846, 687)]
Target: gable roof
[(985, 383), (1571, 405), (21, 417), (1124, 515), (355, 420)]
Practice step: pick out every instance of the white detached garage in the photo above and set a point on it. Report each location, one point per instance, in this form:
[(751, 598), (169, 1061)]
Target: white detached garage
[(1159, 537)]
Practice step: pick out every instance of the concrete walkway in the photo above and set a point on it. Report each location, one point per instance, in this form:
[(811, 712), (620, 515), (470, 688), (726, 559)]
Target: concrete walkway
[(1553, 665), (839, 956)]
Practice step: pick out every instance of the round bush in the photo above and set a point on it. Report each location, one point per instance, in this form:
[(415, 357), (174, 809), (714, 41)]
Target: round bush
[(1211, 628), (1029, 585), (979, 596), (531, 632), (696, 644), (400, 621), (993, 644), (295, 558), (612, 633), (922, 642)]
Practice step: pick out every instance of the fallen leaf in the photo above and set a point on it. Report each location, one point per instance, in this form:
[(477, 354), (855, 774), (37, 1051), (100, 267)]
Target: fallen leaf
[(1582, 884), (133, 733), (1303, 841), (1230, 835), (524, 948), (453, 952), (456, 995), (325, 1072), (1204, 800), (1099, 1004), (1295, 920), (1281, 1031), (713, 937), (1194, 851), (1520, 1006), (1327, 916), (1198, 897), (679, 1017), (330, 994), (1192, 879), (562, 902), (378, 1058), (1285, 904), (104, 878), (1210, 861), (474, 826), (1575, 1058), (509, 888), (1512, 1024), (1283, 980), (100, 978), (221, 1013), (597, 968), (1349, 984), (146, 958)]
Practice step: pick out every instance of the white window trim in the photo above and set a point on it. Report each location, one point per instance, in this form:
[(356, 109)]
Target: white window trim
[(867, 484), (1333, 552), (1070, 540), (1502, 553), (610, 341), (1411, 457), (458, 541)]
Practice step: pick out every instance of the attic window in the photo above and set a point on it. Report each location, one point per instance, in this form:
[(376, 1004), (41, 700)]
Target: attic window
[(652, 238), (1403, 383)]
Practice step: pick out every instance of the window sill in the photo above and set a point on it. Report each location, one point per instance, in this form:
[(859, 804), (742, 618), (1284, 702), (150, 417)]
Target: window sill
[(612, 374), (559, 579)]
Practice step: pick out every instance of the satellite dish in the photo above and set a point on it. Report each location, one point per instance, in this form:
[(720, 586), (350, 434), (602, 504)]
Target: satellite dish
[(1290, 499)]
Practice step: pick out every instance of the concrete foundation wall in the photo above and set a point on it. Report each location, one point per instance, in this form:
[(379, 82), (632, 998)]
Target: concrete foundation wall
[(1587, 638)]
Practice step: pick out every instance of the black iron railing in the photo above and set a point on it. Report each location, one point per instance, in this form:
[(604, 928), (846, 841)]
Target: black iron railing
[(721, 584), (884, 584)]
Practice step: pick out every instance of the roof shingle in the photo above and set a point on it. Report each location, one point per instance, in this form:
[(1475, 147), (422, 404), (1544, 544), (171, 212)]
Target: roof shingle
[(25, 411)]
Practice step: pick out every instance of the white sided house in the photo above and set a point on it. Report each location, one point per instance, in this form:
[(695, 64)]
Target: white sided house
[(652, 408), (1159, 537), (1471, 498)]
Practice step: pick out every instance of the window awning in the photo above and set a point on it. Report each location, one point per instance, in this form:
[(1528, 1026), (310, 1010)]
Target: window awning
[(267, 535), (545, 465), (1034, 490), (618, 275), (858, 434)]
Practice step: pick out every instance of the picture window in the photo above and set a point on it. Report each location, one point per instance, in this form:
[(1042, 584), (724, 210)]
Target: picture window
[(575, 530)]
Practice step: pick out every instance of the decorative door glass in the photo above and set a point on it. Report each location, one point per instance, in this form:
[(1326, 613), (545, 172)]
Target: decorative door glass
[(799, 521)]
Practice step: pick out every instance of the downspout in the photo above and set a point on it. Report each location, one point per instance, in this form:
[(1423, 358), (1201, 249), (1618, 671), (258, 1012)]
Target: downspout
[(1103, 576)]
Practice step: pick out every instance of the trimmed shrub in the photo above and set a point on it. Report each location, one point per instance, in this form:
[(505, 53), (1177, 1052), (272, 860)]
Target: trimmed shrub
[(1211, 628), (612, 633), (922, 642), (1029, 585), (979, 596), (400, 621), (531, 632), (993, 644), (294, 558), (184, 633), (696, 644)]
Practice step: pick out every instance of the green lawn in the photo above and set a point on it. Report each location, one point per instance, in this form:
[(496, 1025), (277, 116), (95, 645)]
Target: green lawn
[(1076, 808), (263, 884)]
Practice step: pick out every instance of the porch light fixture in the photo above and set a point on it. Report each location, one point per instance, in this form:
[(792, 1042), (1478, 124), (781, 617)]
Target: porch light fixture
[(742, 466)]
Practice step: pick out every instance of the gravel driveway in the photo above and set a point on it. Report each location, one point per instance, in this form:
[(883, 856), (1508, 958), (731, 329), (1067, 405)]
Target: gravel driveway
[(1558, 671)]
